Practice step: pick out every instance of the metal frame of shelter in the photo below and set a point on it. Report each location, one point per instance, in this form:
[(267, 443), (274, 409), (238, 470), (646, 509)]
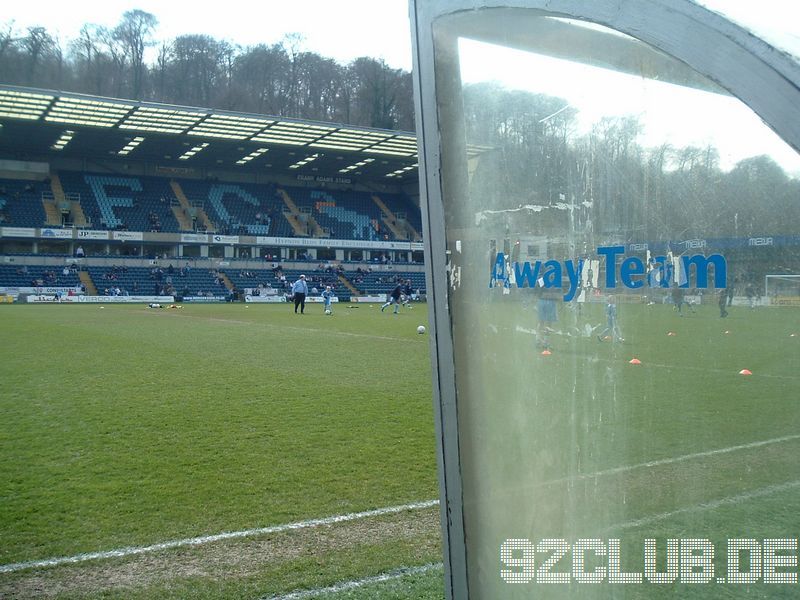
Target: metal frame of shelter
[(765, 78)]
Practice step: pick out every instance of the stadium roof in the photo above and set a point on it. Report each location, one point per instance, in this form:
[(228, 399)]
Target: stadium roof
[(37, 124)]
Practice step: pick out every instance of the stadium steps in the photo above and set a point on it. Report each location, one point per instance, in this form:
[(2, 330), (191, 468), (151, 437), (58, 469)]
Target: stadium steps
[(227, 281), (51, 202), (391, 223), (402, 230), (78, 216), (316, 229), (183, 220), (61, 197), (346, 283), (57, 188), (52, 215), (297, 226), (86, 280), (187, 207), (203, 217), (287, 200), (293, 214)]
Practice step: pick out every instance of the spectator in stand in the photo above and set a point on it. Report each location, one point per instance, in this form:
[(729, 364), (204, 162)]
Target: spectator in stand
[(299, 291), (79, 252)]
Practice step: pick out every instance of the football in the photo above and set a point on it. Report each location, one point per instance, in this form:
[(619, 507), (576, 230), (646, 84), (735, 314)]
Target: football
[(327, 311), (421, 329)]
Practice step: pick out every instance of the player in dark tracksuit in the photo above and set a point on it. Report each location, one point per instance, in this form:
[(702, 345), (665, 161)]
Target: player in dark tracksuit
[(394, 298), (407, 291), (723, 300)]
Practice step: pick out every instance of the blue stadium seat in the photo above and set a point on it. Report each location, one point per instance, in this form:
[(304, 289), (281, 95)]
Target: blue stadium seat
[(21, 203)]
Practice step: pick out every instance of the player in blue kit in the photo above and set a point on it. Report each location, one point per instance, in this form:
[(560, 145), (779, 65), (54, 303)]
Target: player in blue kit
[(327, 295), (612, 327)]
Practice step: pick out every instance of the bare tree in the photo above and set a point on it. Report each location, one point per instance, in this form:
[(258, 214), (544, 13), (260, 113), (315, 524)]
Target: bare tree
[(38, 45), (259, 75), (9, 52), (134, 34)]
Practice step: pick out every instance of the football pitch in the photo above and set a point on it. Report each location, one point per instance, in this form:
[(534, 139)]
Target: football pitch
[(127, 427), (659, 437)]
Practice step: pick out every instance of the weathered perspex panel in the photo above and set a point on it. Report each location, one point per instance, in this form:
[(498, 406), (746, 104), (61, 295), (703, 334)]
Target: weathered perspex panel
[(612, 212)]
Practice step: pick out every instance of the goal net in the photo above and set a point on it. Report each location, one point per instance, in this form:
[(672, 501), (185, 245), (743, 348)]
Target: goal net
[(782, 290)]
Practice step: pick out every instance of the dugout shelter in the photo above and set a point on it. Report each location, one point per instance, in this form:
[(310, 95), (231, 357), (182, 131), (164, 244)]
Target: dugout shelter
[(580, 417)]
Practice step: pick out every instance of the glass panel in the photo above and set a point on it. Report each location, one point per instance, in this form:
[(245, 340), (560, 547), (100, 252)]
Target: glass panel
[(624, 297)]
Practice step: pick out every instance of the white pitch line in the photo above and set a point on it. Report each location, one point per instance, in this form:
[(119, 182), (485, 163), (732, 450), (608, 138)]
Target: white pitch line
[(765, 491), (403, 572), (130, 551), (351, 585), (676, 459), (196, 541)]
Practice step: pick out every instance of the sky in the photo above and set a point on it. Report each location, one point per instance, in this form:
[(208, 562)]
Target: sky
[(670, 114), (338, 29), (347, 29)]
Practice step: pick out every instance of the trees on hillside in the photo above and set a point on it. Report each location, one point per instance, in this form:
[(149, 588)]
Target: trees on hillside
[(604, 177), (615, 188), (198, 70)]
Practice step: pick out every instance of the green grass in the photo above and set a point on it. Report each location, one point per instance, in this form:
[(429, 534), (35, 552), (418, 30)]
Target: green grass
[(537, 434), (128, 426)]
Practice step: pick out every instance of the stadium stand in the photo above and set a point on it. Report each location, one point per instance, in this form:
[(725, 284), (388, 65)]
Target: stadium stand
[(155, 280), (123, 202), (377, 283), (138, 203), (21, 203), (316, 279), (239, 208), (114, 220), (36, 276), (343, 215), (402, 215)]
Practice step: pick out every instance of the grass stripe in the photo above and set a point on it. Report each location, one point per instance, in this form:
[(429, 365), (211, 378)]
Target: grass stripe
[(196, 541), (676, 459), (130, 551), (346, 586), (711, 505)]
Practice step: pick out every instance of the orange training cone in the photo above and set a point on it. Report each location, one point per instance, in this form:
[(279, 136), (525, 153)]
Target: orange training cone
[(635, 361), (546, 353), (745, 372)]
